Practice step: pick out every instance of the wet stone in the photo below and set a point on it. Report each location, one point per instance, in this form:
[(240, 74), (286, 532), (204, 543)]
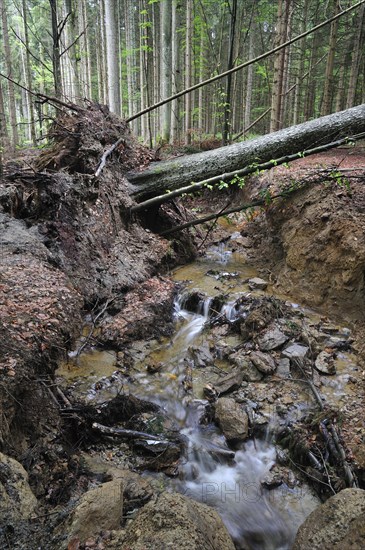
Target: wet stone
[(263, 362), (343, 332), (272, 339), (229, 383), (337, 343), (222, 275), (152, 447), (272, 479), (325, 363), (201, 356), (257, 284), (248, 369), (283, 368), (232, 419), (295, 351)]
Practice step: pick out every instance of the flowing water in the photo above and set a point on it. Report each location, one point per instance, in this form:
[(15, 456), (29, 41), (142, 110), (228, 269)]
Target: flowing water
[(228, 479)]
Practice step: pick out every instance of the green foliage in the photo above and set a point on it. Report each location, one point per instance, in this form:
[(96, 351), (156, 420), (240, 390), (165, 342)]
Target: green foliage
[(340, 179), (237, 181)]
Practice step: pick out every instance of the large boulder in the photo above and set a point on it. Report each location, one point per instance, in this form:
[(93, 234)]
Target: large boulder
[(174, 521), (17, 502), (338, 524), (232, 419), (99, 509)]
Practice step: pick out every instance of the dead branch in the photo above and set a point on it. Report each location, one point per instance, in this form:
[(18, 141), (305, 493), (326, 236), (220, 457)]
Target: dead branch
[(106, 154), (90, 335), (349, 474), (43, 98), (123, 433)]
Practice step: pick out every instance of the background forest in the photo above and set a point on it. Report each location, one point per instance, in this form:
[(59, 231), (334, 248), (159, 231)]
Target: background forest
[(130, 54)]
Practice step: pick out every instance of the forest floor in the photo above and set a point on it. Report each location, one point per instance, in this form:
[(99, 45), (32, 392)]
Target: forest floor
[(68, 249)]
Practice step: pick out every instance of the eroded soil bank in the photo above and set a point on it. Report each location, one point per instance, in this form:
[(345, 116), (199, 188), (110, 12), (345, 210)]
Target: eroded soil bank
[(68, 250)]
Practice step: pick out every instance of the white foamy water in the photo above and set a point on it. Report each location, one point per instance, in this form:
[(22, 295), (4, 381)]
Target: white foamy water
[(194, 322)]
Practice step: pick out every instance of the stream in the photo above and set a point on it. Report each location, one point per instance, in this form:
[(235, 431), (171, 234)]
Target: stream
[(259, 514)]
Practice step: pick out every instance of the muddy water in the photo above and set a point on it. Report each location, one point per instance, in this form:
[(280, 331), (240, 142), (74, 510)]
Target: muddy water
[(229, 480)]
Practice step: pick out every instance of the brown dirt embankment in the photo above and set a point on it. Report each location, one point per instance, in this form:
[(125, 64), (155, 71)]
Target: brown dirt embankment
[(313, 242), (67, 247)]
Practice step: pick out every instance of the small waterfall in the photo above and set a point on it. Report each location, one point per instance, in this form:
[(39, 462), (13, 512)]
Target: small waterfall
[(219, 254), (194, 322), (229, 310)]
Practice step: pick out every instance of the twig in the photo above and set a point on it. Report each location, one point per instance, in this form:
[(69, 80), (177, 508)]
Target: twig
[(106, 154), (89, 336), (350, 476), (125, 434)]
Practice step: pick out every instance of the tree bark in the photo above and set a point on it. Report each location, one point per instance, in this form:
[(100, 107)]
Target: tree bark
[(56, 61), (112, 54), (9, 70), (188, 70), (356, 58), (28, 73), (227, 122), (4, 138), (165, 67), (177, 173), (131, 62), (329, 77)]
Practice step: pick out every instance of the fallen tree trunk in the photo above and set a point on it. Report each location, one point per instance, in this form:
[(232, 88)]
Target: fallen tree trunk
[(208, 183), (176, 173)]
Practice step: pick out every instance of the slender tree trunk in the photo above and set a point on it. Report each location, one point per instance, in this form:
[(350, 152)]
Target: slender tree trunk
[(9, 70), (329, 78), (297, 100), (85, 44), (201, 91), (227, 121), (99, 59), (144, 38), (112, 53), (103, 51), (188, 69), (309, 106), (4, 137), (357, 51), (165, 67), (174, 71), (155, 73), (131, 48), (29, 82), (279, 66), (74, 51), (340, 99), (56, 61), (249, 81)]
